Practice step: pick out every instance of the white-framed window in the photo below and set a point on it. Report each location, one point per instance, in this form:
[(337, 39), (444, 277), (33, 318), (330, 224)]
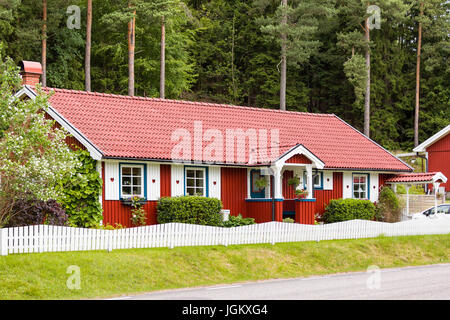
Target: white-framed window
[(317, 179), (360, 186), (132, 180), (195, 181)]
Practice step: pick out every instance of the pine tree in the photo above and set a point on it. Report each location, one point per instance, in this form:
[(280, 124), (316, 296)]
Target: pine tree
[(294, 25), (88, 46)]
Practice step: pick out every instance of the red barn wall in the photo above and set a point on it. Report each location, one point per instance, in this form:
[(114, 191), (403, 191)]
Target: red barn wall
[(439, 158)]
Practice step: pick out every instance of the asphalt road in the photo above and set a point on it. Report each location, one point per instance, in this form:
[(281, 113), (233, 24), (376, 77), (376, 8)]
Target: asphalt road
[(417, 283)]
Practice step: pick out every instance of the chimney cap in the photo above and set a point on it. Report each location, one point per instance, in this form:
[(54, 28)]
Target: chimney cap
[(30, 67)]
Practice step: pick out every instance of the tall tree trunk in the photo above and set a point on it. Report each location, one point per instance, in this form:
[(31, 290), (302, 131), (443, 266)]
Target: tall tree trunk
[(367, 95), (44, 43), (283, 62), (131, 49), (233, 80), (162, 77), (87, 66), (416, 110)]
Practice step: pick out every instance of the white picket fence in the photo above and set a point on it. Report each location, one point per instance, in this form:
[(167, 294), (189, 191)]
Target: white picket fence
[(44, 238)]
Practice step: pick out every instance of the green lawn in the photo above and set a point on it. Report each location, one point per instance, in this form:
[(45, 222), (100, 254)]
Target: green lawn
[(103, 274)]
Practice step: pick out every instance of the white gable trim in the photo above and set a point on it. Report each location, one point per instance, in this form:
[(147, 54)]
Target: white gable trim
[(299, 149), (422, 147), (95, 153)]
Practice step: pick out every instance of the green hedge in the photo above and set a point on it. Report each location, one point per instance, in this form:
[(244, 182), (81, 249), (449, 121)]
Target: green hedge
[(349, 209), (237, 221), (190, 209)]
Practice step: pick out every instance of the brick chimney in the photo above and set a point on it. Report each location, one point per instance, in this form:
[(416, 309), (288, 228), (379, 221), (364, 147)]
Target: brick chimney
[(31, 72)]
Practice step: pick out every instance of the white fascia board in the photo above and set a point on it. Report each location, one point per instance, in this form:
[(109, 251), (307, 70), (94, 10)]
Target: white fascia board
[(300, 149), (422, 147), (439, 176), (95, 153)]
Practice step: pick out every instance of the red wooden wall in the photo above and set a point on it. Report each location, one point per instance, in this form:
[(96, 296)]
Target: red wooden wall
[(298, 158), (261, 211), (234, 190), (114, 212), (288, 191), (439, 159), (305, 211), (323, 197), (165, 173)]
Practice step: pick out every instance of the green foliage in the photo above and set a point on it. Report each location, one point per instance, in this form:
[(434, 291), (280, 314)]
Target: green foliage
[(294, 181), (229, 52), (415, 189), (190, 209), (138, 214), (237, 221), (349, 209), (388, 207), (288, 220), (261, 183), (81, 193), (34, 158), (116, 226)]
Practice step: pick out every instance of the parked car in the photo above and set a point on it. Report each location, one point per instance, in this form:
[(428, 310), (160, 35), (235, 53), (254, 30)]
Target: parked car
[(443, 211)]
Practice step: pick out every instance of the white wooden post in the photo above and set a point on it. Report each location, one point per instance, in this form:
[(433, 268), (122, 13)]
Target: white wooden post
[(3, 242), (277, 186), (436, 188), (309, 182), (407, 199)]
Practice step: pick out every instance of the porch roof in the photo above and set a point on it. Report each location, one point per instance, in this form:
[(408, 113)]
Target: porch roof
[(417, 178)]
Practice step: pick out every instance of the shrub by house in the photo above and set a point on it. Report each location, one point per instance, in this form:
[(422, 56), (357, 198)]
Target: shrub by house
[(190, 209), (349, 209)]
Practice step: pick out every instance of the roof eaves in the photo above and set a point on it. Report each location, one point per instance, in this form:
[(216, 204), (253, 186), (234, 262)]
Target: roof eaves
[(437, 136)]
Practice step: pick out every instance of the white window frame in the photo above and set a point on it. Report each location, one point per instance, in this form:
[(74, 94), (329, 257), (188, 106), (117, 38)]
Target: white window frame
[(366, 191), (318, 174), (140, 166), (195, 178)]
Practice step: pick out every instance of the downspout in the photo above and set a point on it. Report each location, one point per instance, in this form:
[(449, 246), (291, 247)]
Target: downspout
[(426, 166)]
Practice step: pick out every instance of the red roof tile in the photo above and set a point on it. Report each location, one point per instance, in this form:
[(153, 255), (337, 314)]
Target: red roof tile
[(424, 177), (137, 127)]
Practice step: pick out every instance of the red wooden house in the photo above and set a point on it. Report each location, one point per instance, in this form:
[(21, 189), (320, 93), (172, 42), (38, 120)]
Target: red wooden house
[(155, 148), (437, 152)]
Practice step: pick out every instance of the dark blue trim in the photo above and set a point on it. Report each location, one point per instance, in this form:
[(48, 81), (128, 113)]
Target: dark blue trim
[(256, 195), (120, 177), (368, 185), (206, 178), (306, 200), (262, 200)]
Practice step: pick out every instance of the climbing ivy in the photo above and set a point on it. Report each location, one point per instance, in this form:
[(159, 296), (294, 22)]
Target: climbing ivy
[(81, 194)]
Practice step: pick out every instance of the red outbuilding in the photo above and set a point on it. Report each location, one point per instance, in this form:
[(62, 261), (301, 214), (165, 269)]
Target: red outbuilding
[(246, 157), (437, 152)]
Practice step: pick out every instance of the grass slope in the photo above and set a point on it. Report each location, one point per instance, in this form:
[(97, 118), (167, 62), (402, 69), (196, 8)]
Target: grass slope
[(43, 276)]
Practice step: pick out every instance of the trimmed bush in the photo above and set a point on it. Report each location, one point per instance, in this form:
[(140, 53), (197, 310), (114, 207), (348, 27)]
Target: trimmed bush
[(389, 208), (349, 209), (190, 209), (236, 221)]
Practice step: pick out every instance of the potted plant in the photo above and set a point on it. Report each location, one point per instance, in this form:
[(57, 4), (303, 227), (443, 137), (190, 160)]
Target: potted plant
[(301, 194), (261, 183), (133, 201), (294, 181)]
